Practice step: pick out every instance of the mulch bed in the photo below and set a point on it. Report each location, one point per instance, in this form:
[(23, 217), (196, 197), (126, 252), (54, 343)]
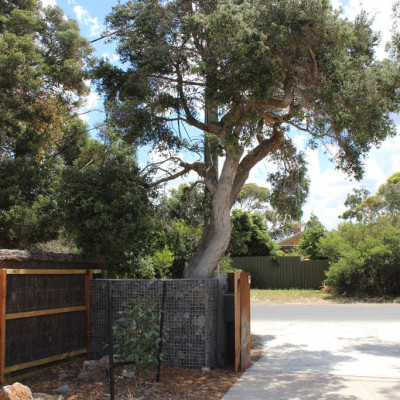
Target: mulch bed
[(176, 383)]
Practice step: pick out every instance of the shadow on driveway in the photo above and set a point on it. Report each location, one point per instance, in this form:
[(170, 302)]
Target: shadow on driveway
[(291, 372), (376, 349)]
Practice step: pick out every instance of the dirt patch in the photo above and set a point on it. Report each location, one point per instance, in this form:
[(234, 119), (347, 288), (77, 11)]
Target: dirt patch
[(176, 383)]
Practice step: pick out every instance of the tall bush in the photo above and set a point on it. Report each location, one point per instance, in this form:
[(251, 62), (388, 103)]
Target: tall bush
[(365, 258)]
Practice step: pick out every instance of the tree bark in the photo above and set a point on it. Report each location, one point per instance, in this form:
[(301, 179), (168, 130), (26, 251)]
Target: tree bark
[(217, 234)]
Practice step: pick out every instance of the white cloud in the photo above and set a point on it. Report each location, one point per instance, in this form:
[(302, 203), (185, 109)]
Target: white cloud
[(92, 100), (113, 58), (381, 11), (329, 187), (89, 103), (47, 3), (84, 18)]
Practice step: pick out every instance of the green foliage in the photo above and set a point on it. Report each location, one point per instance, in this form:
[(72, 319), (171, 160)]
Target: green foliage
[(290, 185), (352, 202), (42, 70), (182, 239), (186, 203), (364, 257), (310, 238), (339, 87), (253, 198), (262, 67), (28, 206), (106, 210), (137, 334), (162, 261), (43, 63), (225, 265), (249, 236), (143, 267), (390, 193), (365, 209)]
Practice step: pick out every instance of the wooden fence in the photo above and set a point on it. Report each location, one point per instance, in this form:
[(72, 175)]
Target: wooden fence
[(283, 272), (44, 309)]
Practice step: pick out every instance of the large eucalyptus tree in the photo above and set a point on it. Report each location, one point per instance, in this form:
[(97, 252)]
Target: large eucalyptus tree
[(266, 66)]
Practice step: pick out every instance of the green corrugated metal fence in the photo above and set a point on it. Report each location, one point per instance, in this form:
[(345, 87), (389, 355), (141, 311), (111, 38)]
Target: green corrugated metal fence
[(283, 272)]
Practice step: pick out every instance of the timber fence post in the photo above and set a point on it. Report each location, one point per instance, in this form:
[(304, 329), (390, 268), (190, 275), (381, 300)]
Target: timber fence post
[(88, 278), (3, 296)]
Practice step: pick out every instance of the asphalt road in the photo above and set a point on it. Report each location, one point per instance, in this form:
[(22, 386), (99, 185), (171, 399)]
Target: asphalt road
[(330, 312)]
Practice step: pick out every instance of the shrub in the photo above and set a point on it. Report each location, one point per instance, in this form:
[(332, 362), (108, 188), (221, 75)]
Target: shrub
[(365, 258), (137, 334), (162, 262)]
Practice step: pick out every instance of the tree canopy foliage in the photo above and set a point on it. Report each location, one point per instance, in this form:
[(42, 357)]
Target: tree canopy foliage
[(43, 68), (106, 210), (250, 236), (263, 67), (311, 237), (365, 208), (253, 198)]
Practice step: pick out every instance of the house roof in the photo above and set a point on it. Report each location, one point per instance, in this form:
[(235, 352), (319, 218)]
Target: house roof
[(290, 238)]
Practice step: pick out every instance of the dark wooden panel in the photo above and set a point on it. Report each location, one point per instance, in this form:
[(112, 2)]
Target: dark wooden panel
[(41, 337), (41, 292)]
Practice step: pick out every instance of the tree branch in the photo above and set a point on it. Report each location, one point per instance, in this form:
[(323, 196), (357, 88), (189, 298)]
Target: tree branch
[(169, 178), (189, 117), (166, 78), (86, 165), (155, 165), (188, 194), (253, 157), (198, 167), (316, 71), (283, 103)]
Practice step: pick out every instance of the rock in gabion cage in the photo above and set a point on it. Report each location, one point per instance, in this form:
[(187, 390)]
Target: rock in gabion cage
[(190, 318)]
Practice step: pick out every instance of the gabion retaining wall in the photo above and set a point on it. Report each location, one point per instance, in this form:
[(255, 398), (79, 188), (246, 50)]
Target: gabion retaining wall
[(191, 311)]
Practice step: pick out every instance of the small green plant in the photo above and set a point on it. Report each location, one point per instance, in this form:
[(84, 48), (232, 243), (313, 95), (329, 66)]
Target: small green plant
[(225, 265), (162, 262), (137, 334)]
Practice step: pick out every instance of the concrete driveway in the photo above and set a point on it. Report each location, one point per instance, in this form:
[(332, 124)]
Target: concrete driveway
[(335, 352)]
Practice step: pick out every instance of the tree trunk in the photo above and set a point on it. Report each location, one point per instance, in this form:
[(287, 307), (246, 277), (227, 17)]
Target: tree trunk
[(217, 234), (213, 245)]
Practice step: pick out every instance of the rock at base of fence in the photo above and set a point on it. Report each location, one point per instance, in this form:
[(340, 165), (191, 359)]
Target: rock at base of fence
[(91, 368), (17, 391)]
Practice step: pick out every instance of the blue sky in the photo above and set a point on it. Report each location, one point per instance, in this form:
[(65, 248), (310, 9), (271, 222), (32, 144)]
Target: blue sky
[(329, 187)]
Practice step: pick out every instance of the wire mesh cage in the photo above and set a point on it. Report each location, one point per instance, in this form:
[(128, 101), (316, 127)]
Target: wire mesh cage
[(190, 317)]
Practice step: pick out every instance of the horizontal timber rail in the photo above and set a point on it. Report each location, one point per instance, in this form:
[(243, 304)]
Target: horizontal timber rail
[(52, 311), (51, 271), (55, 308), (43, 361)]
